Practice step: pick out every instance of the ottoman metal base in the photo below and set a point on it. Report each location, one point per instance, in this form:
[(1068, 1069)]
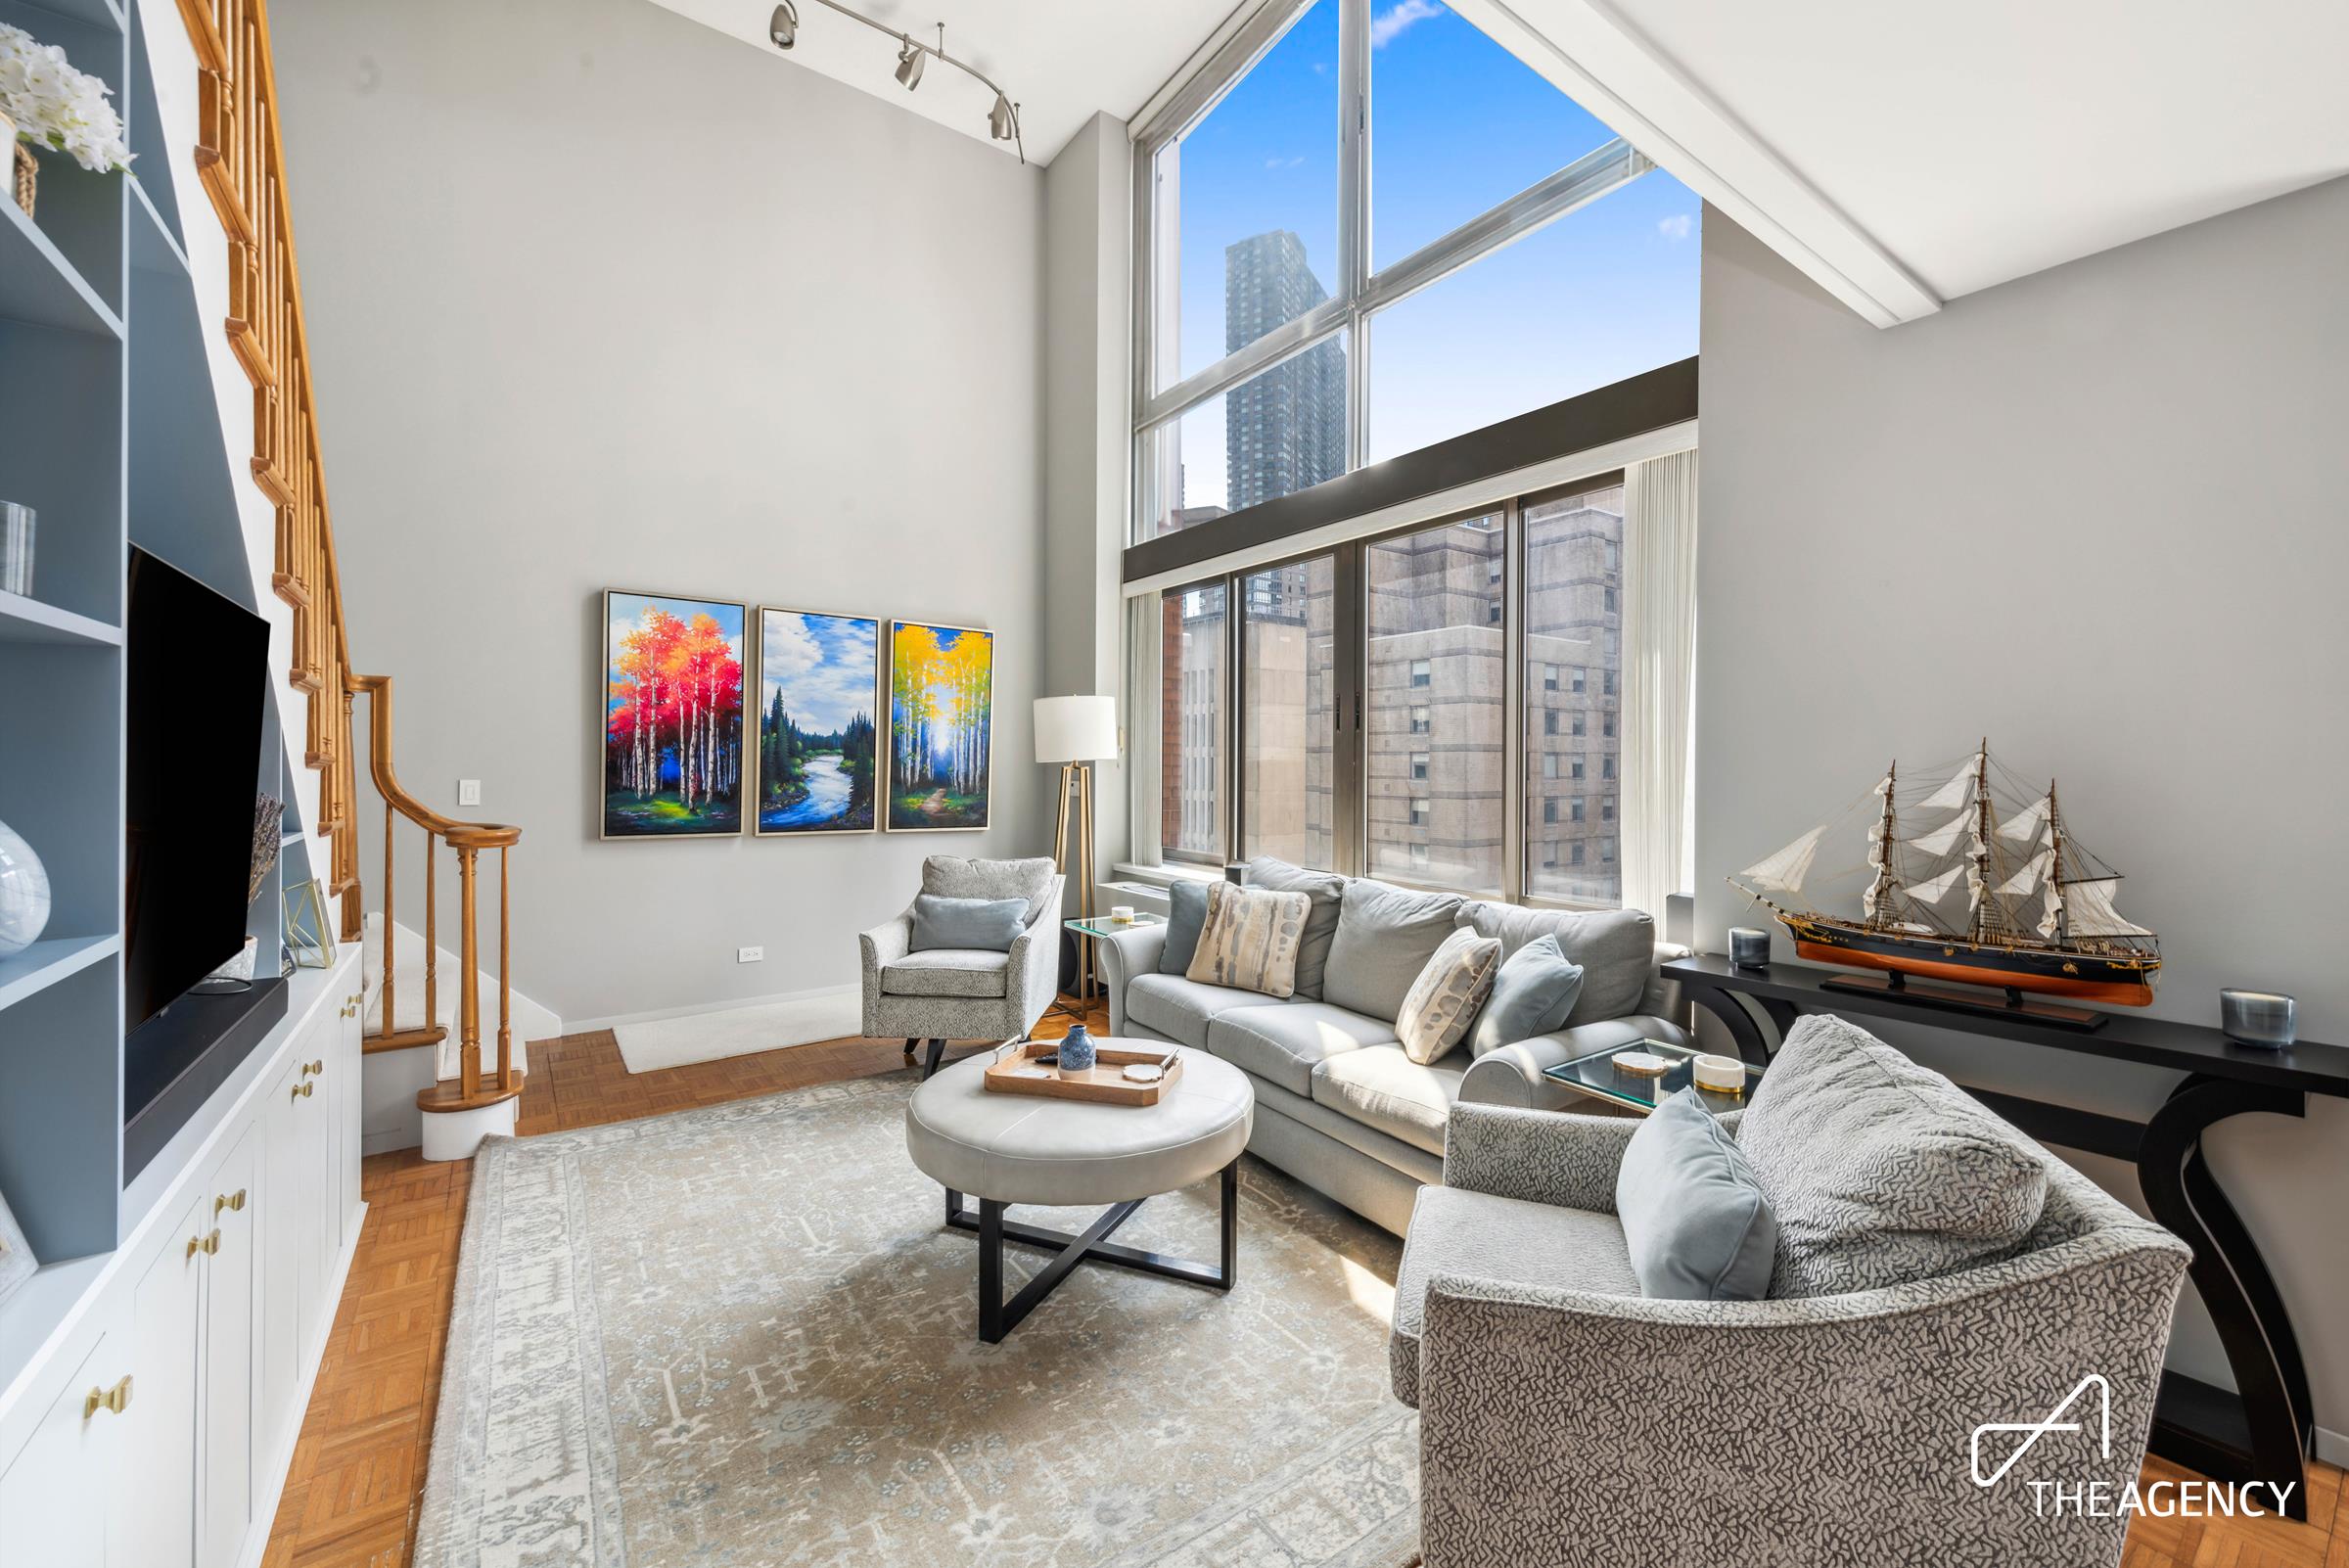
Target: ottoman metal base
[(998, 1318)]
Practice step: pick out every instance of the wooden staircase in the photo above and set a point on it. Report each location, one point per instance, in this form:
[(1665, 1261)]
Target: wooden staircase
[(241, 157)]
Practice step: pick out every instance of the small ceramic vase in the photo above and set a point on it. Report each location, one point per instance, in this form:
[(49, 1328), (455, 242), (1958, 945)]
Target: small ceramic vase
[(1076, 1050), (23, 894)]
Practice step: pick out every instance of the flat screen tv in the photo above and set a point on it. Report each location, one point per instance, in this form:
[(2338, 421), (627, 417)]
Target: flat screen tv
[(198, 679)]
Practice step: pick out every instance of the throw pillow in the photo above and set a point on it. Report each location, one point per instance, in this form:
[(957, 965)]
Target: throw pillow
[(1326, 889), (1697, 1223), (1251, 940), (989, 925), (1615, 947), (1187, 916), (1531, 997), (1882, 1173), (1386, 935), (960, 876), (1444, 1000)]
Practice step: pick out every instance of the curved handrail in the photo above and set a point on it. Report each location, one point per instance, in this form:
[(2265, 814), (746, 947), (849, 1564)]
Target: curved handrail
[(460, 835)]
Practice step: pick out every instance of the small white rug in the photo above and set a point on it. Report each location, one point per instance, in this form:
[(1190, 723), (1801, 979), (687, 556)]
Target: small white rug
[(739, 1032)]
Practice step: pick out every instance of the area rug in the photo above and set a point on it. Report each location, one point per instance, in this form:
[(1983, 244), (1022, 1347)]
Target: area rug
[(648, 1047), (744, 1337)]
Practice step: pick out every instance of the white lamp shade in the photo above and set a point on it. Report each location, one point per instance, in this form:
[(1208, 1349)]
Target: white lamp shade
[(1076, 729)]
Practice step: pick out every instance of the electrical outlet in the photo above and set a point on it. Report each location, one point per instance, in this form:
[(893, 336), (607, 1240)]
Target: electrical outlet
[(469, 792), (750, 955)]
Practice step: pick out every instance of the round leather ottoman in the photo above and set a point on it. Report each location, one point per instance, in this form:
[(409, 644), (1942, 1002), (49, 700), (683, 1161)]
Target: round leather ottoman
[(1004, 1149)]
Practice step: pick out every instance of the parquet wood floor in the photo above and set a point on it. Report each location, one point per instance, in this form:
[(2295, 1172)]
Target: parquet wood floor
[(358, 1466)]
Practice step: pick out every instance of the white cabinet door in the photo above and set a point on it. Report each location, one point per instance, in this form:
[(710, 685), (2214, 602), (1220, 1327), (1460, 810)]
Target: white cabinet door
[(57, 1493), (232, 1277), (160, 1430), (312, 1104), (348, 1100), (277, 1210)]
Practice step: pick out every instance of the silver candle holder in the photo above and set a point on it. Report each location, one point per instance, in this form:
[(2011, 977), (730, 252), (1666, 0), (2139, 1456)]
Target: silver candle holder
[(2268, 1020)]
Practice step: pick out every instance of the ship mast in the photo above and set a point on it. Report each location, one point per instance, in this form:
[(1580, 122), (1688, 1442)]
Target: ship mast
[(2056, 867), (1876, 895), (1981, 841)]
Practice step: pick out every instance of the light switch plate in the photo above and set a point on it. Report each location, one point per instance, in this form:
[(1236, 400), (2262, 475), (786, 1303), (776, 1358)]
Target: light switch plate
[(750, 955), (469, 792)]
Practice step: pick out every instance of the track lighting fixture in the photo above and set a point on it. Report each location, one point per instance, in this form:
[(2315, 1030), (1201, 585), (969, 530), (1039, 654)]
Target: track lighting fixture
[(1002, 120)]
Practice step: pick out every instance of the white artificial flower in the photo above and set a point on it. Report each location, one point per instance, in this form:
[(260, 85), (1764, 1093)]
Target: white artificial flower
[(55, 106)]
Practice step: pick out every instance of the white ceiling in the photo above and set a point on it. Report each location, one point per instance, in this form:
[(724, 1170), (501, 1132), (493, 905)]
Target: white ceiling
[(1062, 60), (1918, 153)]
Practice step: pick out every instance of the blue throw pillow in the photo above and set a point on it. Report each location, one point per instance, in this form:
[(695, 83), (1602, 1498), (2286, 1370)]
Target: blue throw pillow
[(1531, 997), (1694, 1217), (989, 925), (1187, 917)]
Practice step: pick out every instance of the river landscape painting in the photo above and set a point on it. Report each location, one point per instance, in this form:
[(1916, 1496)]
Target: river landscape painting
[(940, 725), (820, 677), (673, 716)]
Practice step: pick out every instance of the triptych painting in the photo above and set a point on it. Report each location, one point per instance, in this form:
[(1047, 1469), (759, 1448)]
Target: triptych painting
[(680, 760)]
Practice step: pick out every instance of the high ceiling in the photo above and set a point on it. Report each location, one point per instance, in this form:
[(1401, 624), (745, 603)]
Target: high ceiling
[(1902, 156), (1062, 60)]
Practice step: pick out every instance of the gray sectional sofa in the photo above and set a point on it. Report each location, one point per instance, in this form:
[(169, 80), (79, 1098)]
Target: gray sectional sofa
[(1338, 1104)]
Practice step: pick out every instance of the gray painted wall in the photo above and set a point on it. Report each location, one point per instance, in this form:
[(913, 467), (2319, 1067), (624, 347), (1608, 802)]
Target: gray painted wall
[(600, 298), (2096, 515), (1088, 337)]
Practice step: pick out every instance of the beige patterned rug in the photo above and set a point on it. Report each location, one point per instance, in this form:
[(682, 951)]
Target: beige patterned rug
[(742, 1337)]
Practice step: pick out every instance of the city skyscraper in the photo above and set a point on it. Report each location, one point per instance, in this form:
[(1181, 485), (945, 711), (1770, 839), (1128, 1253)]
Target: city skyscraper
[(1284, 430)]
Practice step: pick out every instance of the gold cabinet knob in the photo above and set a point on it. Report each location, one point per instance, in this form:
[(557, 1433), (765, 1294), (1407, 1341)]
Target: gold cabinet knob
[(211, 1243), (234, 1202), (301, 1090), (116, 1399), (314, 1068)]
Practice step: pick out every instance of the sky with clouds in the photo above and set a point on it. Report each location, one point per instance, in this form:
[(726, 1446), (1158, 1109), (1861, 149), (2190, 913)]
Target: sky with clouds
[(1457, 125), (826, 666)]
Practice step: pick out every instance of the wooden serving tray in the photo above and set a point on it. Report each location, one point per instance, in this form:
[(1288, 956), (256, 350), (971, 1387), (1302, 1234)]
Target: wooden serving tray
[(1102, 1083)]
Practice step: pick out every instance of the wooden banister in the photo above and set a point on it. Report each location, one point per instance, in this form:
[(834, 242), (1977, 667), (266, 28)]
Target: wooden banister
[(239, 155)]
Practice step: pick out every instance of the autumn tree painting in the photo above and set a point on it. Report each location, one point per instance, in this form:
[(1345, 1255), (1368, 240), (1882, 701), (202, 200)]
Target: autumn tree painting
[(673, 716), (819, 754), (940, 725)]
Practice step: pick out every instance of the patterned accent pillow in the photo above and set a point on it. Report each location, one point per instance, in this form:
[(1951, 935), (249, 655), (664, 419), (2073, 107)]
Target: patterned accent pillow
[(1446, 998), (1882, 1172), (1251, 940)]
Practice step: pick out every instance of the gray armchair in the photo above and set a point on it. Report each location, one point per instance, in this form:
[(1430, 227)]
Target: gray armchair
[(950, 993), (1566, 1419)]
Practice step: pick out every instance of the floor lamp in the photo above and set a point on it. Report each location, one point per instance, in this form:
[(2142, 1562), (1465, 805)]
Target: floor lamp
[(1076, 732)]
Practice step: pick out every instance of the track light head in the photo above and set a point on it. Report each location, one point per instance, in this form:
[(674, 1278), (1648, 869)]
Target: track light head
[(911, 61), (784, 26), (1003, 121)]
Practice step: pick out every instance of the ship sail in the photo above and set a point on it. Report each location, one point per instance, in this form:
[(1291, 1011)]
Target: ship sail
[(1784, 872), (2089, 912), (2026, 879), (2051, 915), (2023, 827), (1959, 790), (1943, 839), (1927, 891)]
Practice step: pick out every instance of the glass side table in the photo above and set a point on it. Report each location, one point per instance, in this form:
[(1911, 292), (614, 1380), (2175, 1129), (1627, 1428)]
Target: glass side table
[(1089, 930), (1597, 1075)]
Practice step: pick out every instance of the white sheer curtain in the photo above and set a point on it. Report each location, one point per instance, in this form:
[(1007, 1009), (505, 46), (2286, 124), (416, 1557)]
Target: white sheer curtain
[(1659, 670), (1145, 693)]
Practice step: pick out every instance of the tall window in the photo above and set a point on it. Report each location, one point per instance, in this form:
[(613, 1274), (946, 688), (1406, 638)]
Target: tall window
[(1289, 713), (1375, 185), (1571, 551), (1432, 627), (1191, 722)]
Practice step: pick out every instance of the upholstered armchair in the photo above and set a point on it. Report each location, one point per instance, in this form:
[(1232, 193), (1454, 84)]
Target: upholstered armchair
[(1567, 1419), (952, 994)]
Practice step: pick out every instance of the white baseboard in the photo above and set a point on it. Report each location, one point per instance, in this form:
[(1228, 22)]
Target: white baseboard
[(588, 1026), (2332, 1448)]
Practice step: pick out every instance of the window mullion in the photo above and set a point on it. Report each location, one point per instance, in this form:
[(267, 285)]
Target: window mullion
[(1353, 148), (1513, 693)]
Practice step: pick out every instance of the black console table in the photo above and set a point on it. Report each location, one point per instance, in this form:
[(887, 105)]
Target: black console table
[(2261, 1434)]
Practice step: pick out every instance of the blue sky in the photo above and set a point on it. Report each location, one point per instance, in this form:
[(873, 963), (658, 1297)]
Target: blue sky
[(1456, 125), (827, 666)]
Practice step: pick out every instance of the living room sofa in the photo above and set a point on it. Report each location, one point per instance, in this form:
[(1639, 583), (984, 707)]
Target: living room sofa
[(1339, 1105)]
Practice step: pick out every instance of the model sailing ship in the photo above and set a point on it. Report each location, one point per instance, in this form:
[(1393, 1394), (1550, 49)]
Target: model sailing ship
[(2038, 911)]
